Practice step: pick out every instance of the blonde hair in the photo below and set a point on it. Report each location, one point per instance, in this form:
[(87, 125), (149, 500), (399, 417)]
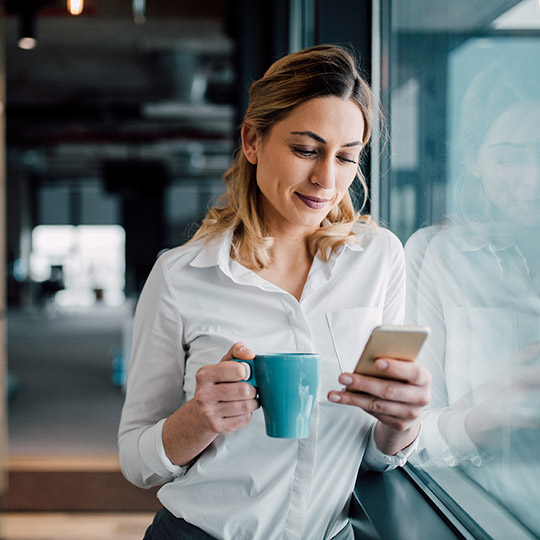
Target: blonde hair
[(320, 71)]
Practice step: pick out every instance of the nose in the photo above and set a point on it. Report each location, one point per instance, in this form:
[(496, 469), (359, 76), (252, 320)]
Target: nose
[(528, 185), (323, 173)]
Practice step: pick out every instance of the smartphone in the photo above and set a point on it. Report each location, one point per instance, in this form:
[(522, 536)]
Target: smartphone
[(401, 342)]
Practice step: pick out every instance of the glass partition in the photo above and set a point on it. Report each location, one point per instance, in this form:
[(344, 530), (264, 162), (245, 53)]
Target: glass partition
[(460, 87)]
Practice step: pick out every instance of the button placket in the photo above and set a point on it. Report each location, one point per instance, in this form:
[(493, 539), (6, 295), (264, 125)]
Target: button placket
[(303, 474), (298, 324)]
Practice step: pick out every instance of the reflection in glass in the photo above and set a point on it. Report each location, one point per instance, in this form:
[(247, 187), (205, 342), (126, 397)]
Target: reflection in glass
[(475, 279)]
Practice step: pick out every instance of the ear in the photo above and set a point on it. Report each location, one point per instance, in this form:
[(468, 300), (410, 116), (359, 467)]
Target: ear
[(474, 167), (250, 143)]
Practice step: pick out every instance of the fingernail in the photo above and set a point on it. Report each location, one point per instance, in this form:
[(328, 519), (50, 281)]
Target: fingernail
[(381, 365), (345, 379), (334, 397), (247, 369)]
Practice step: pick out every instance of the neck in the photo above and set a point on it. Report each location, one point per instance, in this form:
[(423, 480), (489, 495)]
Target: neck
[(291, 262)]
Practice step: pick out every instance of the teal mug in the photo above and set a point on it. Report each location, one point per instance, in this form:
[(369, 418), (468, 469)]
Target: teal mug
[(287, 385)]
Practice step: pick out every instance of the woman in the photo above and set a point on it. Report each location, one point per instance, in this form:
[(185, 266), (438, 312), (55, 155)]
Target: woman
[(283, 264), (485, 317)]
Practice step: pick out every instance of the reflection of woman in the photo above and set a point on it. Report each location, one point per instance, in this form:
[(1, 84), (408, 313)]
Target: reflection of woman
[(283, 265), (476, 282)]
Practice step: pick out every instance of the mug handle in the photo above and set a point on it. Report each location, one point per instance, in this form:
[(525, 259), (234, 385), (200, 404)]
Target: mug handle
[(250, 368)]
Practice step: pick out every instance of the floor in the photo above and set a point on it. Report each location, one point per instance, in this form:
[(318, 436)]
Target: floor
[(75, 526), (64, 413), (65, 401)]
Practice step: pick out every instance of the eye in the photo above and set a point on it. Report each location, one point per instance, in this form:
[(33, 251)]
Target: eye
[(510, 157), (347, 159), (304, 152)]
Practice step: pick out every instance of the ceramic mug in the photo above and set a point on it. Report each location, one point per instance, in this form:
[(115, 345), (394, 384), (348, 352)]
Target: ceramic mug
[(287, 385)]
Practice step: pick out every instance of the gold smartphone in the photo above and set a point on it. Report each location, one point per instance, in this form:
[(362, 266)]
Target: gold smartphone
[(388, 341)]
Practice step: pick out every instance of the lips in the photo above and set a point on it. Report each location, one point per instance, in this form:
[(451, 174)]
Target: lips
[(526, 202), (312, 202)]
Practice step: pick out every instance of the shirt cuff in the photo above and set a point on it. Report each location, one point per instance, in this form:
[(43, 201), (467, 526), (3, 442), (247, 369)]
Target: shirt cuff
[(152, 452), (379, 461), (453, 426)]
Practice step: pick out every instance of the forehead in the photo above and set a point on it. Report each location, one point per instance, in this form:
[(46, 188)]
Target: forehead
[(519, 124), (332, 118)]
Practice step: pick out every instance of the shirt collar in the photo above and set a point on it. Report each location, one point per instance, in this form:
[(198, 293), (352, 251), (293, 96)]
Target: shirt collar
[(322, 272), (477, 244), (500, 248), (215, 252)]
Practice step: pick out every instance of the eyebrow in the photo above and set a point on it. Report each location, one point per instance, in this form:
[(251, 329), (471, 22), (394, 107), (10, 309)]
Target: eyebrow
[(318, 138), (511, 144)]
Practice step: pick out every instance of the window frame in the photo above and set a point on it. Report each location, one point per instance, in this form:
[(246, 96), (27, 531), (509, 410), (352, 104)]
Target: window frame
[(383, 504), (389, 502)]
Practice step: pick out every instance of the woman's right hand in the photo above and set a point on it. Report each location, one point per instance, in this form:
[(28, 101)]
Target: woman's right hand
[(222, 403), (226, 403), (511, 401)]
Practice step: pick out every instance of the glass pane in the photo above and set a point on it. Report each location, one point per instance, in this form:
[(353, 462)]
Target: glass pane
[(462, 98)]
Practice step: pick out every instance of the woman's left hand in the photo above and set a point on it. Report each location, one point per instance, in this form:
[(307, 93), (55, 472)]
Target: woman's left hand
[(397, 402)]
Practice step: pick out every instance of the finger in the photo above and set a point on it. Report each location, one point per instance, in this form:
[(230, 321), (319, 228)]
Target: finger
[(401, 370), (229, 409), (530, 379), (231, 424), (225, 371), (233, 391), (239, 350), (528, 354), (377, 406), (386, 389)]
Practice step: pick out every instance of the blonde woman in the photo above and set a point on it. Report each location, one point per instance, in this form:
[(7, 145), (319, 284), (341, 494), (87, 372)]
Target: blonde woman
[(283, 263), (484, 350)]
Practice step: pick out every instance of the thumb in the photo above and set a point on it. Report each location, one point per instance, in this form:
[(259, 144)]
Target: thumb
[(239, 350)]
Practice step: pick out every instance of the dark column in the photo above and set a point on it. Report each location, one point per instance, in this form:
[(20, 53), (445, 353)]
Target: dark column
[(141, 184), (346, 22), (260, 31)]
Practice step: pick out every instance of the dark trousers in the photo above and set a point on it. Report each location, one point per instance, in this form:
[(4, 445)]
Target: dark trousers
[(168, 527)]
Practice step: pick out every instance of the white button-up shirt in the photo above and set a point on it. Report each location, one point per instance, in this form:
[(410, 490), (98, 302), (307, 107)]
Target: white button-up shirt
[(195, 304), (479, 298)]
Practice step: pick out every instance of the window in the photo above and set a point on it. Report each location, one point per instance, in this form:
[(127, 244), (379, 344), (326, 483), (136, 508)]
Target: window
[(459, 182), (77, 266)]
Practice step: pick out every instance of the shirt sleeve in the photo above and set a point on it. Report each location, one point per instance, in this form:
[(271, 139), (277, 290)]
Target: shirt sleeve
[(376, 460), (155, 382), (444, 439)]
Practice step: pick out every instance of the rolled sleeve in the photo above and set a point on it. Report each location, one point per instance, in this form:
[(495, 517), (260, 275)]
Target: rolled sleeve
[(155, 382), (376, 460), (153, 453)]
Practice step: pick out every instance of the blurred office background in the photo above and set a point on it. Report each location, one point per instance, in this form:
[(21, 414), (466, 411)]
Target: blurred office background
[(116, 126), (119, 123)]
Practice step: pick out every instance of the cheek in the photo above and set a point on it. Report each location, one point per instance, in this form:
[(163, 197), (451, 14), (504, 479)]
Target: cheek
[(273, 180), (345, 181), (497, 180), (497, 189)]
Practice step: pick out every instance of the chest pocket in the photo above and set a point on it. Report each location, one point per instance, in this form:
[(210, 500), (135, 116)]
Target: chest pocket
[(346, 332)]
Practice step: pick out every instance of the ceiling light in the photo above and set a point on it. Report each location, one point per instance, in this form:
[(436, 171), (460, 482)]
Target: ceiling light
[(27, 35), (75, 7), (27, 43)]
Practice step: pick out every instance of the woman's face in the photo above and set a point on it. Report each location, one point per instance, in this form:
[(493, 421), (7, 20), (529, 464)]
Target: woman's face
[(306, 163), (508, 164)]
